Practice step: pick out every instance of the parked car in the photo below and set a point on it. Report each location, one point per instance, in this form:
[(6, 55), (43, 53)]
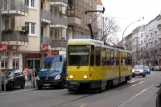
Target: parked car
[(14, 78), (138, 70), (147, 69), (158, 98), (155, 68)]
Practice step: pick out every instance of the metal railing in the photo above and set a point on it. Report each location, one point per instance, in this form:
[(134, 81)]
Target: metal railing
[(46, 40), (64, 1), (14, 5), (59, 43), (45, 14), (14, 36), (59, 21)]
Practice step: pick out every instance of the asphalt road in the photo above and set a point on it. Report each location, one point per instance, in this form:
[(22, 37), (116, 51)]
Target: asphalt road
[(140, 92)]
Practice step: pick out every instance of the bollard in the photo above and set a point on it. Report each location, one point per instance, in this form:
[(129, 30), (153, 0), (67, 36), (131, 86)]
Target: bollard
[(4, 80), (0, 81)]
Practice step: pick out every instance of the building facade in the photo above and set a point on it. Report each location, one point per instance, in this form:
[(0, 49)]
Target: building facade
[(14, 36), (146, 42), (137, 35), (59, 25), (126, 43), (78, 20), (152, 42), (25, 33), (33, 29)]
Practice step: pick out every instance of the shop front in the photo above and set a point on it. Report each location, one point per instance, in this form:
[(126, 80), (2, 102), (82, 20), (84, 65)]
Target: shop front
[(11, 58), (33, 60)]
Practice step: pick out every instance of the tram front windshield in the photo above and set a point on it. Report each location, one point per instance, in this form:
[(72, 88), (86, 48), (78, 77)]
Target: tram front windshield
[(78, 55)]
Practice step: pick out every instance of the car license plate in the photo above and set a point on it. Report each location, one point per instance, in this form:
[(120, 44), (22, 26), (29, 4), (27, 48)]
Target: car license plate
[(46, 85)]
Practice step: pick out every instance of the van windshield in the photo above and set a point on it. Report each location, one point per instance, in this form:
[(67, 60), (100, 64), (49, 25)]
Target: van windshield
[(56, 66), (46, 66), (52, 66)]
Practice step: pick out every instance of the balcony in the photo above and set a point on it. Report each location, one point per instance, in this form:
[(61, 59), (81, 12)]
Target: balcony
[(59, 43), (14, 8), (46, 40), (61, 3), (73, 20), (10, 37), (45, 16), (57, 22)]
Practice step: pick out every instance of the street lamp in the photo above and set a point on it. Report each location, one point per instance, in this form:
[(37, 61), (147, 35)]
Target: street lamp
[(128, 26)]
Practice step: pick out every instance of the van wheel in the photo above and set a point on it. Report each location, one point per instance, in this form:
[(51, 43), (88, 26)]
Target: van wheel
[(39, 87), (62, 85)]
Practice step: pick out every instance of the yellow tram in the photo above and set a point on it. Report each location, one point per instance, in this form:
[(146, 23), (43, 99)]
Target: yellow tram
[(91, 64)]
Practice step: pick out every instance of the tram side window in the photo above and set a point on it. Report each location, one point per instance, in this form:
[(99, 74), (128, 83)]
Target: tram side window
[(117, 58), (98, 56), (112, 58), (128, 60), (92, 56), (108, 61), (103, 56)]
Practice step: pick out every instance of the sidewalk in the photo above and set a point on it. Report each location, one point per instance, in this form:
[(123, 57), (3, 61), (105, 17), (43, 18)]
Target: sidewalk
[(29, 84)]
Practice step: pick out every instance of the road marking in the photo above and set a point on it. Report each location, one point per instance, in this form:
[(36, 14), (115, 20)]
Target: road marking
[(132, 81), (83, 105), (16, 92), (137, 83), (135, 96)]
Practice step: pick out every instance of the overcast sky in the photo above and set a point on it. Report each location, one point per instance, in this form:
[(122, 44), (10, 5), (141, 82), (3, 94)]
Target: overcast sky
[(127, 11)]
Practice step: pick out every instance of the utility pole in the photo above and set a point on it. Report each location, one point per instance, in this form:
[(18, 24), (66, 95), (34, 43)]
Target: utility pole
[(90, 24), (0, 42), (103, 26)]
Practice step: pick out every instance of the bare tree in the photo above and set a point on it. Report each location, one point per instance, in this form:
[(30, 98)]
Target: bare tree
[(110, 29)]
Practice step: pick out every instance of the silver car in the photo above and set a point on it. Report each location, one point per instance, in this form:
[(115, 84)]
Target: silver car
[(138, 70)]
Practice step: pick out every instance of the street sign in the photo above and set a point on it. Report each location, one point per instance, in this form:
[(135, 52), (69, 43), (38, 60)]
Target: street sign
[(3, 47), (45, 47)]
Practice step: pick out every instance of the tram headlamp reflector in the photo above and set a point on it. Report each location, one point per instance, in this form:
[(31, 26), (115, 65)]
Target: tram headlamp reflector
[(71, 76), (85, 76)]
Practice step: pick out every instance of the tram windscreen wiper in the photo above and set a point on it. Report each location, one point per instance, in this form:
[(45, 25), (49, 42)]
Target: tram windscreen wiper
[(82, 62)]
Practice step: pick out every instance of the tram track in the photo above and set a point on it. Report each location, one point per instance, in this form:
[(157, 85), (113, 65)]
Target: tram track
[(90, 95)]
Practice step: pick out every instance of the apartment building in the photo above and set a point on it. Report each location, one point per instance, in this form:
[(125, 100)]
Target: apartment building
[(152, 41), (33, 29), (146, 43), (25, 33), (78, 20), (159, 40), (58, 26), (14, 35), (137, 34)]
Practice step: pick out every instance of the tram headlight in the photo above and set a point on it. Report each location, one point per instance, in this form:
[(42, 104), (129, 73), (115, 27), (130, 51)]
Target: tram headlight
[(85, 76), (71, 76)]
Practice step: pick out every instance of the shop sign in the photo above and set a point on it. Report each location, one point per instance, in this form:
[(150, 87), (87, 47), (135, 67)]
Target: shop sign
[(14, 48), (33, 55), (45, 47), (3, 47)]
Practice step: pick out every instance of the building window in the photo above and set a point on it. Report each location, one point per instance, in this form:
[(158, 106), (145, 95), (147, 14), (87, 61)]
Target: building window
[(6, 24), (30, 3), (31, 27)]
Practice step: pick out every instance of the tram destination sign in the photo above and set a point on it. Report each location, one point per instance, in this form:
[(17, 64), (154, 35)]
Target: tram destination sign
[(79, 48)]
